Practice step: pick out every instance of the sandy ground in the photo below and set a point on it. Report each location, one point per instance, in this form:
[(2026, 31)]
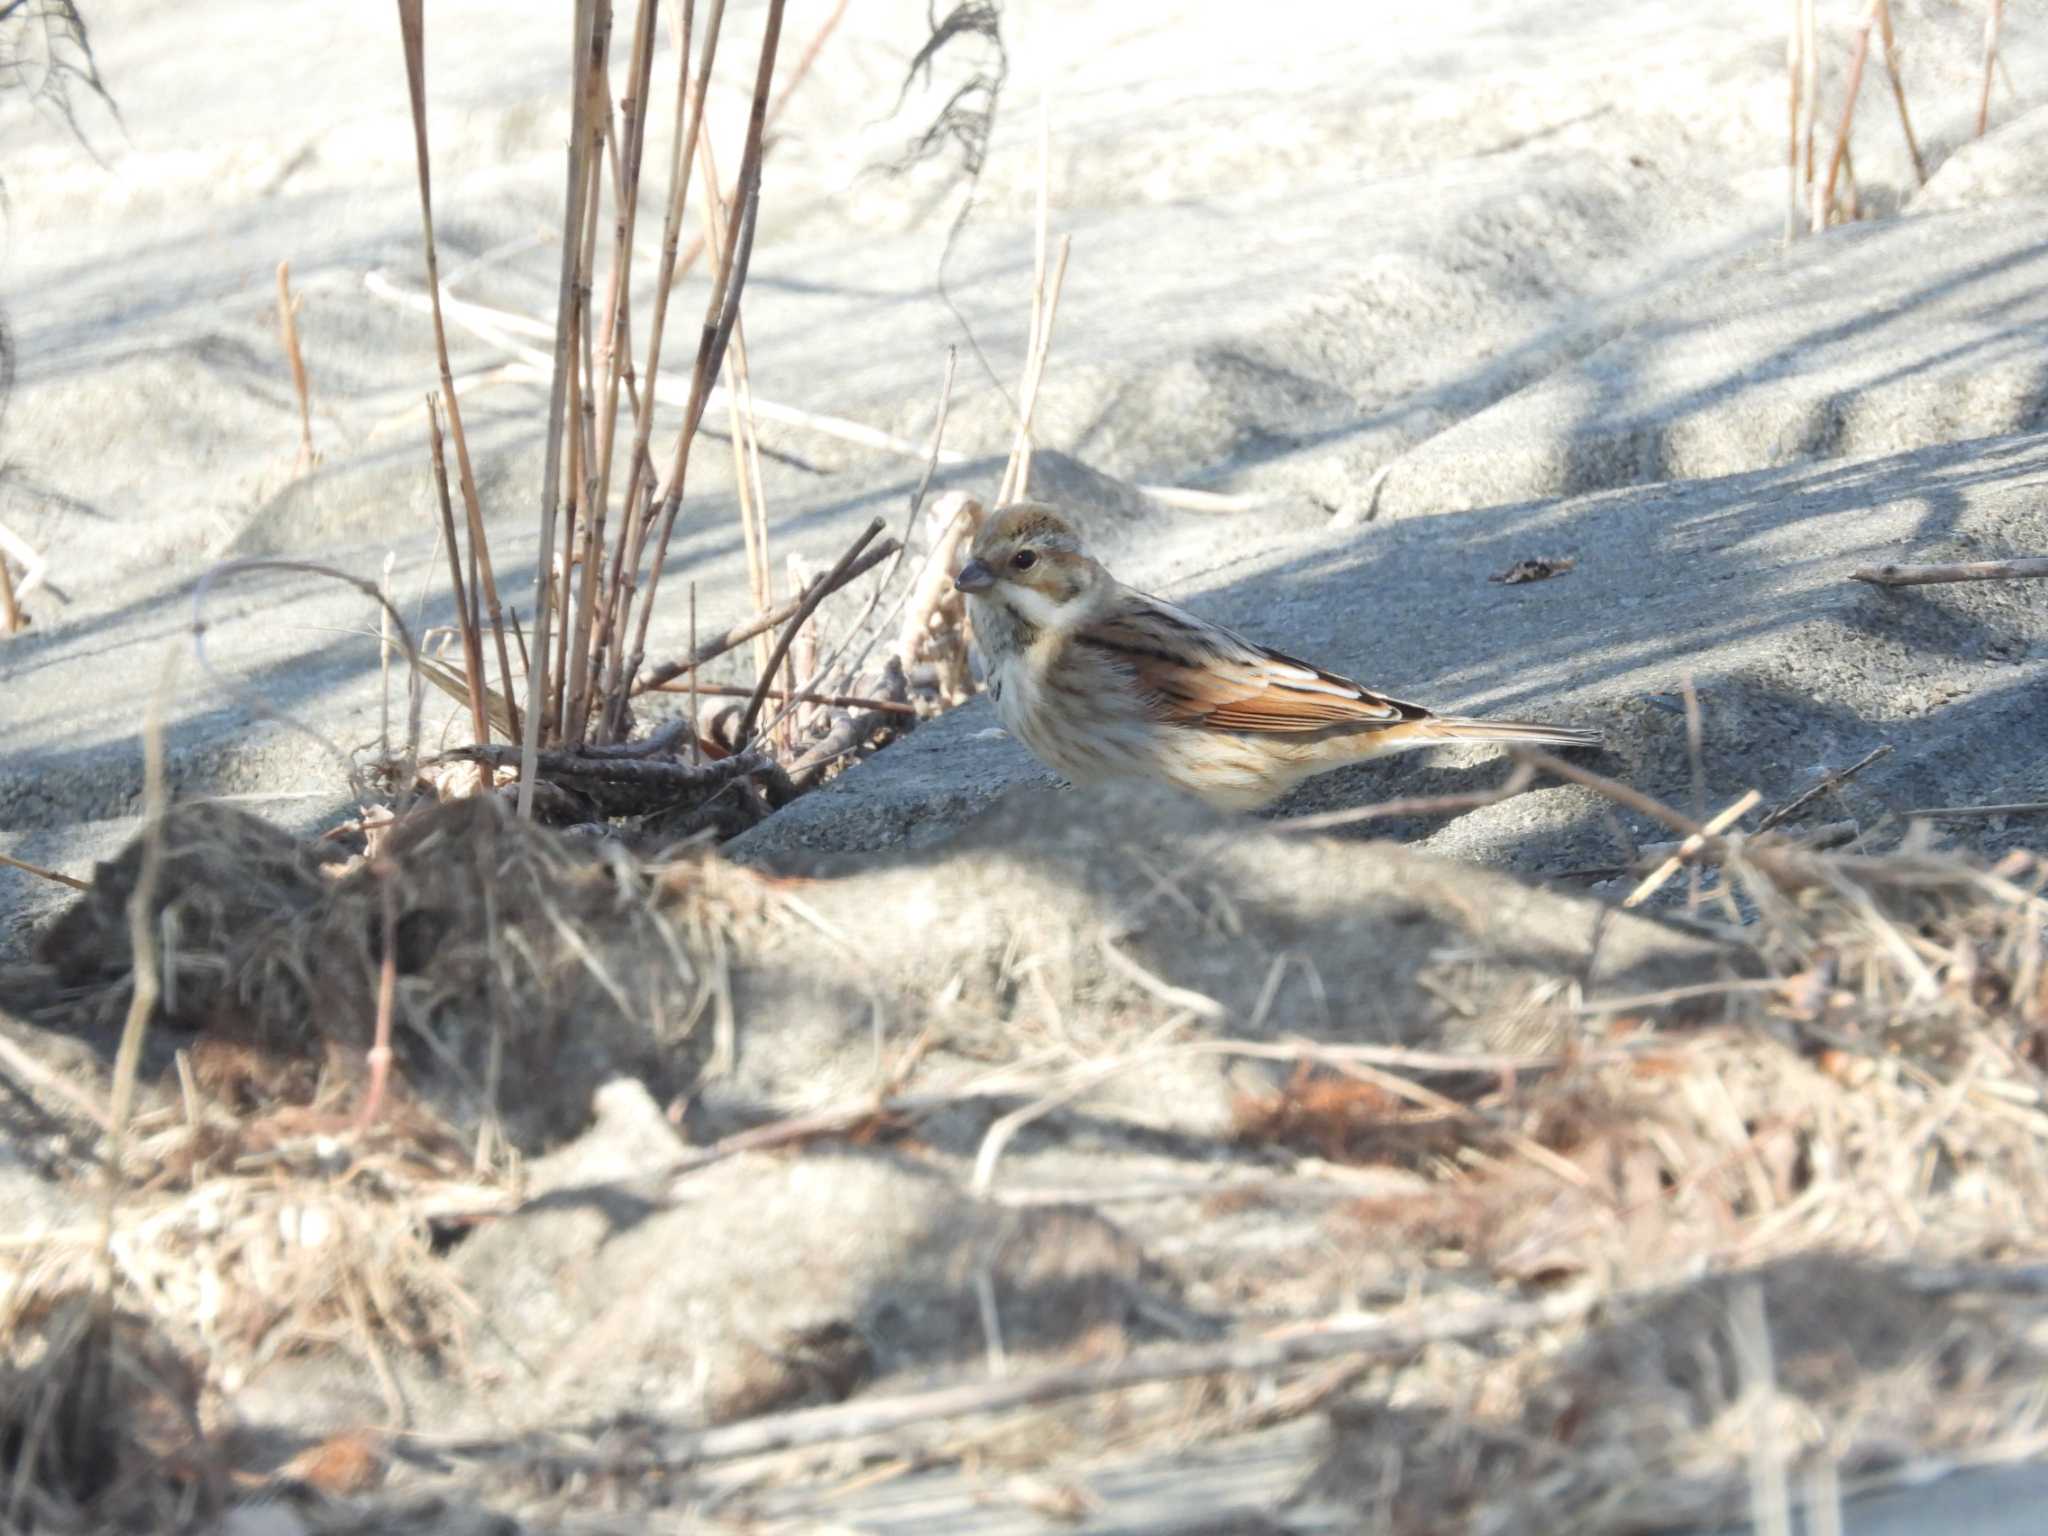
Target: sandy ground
[(1445, 288)]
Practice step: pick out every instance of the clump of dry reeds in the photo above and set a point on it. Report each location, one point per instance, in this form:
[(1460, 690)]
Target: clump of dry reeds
[(564, 719), (509, 971), (1815, 196)]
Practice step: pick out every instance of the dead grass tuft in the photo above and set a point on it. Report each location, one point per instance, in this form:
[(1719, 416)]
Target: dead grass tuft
[(100, 1424), (530, 968)]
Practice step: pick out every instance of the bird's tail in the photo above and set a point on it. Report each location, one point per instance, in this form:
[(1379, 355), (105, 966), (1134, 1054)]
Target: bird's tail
[(1456, 729)]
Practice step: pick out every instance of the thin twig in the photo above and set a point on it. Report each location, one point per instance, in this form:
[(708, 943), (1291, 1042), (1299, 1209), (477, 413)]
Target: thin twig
[(1967, 812), (33, 567), (502, 328), (1380, 1337), (800, 696), (746, 629), (1691, 847), (387, 991), (261, 705), (1855, 84), (143, 993), (465, 600), (917, 496), (849, 736), (47, 874), (34, 1073), (1991, 22), (1696, 755), (618, 765), (2034, 568), (288, 327), (1012, 482), (1017, 477), (833, 580), (805, 60), (1883, 11), (412, 32), (1809, 109), (10, 610), (1794, 202), (384, 586), (1613, 789), (748, 482), (1831, 781)]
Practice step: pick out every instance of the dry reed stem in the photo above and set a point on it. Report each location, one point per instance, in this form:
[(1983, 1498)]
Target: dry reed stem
[(145, 987), (1809, 107), (578, 426), (2034, 568), (859, 627), (805, 60), (379, 1058), (1770, 1499), (33, 1073), (502, 328), (752, 491), (586, 61), (1965, 812), (1883, 11), (1830, 781), (1991, 21), (10, 610), (618, 367), (746, 629), (933, 593), (258, 704), (1695, 753), (1794, 59), (828, 700), (384, 586), (1855, 85), (623, 574), (1337, 1337), (1013, 481), (58, 876), (1612, 789), (465, 599), (1019, 475), (33, 569), (831, 582), (412, 33), (288, 328), (721, 314), (1691, 847)]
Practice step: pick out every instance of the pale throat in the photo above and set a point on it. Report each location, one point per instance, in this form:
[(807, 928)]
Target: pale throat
[(1039, 611)]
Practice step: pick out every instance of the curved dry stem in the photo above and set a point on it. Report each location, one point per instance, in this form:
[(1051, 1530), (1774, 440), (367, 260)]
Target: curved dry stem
[(262, 706)]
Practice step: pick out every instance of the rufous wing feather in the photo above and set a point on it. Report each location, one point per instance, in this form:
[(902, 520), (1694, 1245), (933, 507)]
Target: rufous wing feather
[(1200, 674)]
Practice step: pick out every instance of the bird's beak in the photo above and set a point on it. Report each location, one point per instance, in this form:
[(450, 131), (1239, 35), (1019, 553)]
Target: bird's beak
[(974, 577)]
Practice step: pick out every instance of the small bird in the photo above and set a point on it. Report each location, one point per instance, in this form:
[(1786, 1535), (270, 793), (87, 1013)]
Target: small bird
[(1103, 682)]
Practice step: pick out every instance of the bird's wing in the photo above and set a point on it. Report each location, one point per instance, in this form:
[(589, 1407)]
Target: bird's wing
[(1200, 674)]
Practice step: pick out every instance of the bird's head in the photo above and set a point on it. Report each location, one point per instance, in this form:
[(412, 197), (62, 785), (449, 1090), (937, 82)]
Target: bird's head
[(1028, 571)]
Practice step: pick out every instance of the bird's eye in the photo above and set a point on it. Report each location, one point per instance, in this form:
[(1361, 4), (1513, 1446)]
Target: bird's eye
[(1023, 560)]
